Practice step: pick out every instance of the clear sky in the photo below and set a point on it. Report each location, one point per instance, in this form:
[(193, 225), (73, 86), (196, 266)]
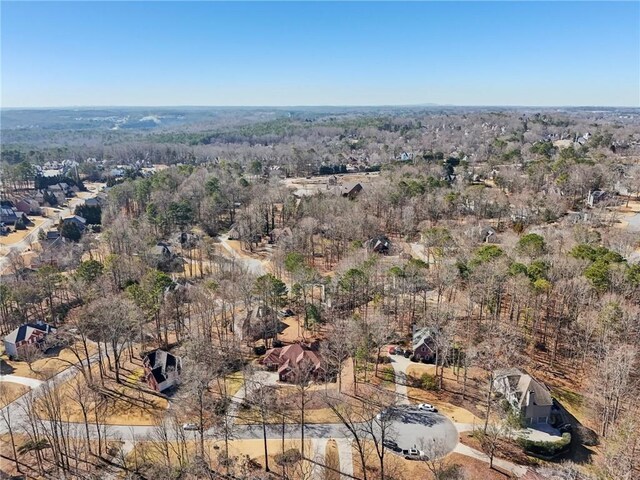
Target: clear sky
[(212, 53)]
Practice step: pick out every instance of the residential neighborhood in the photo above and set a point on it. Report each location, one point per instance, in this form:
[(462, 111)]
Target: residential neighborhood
[(320, 241)]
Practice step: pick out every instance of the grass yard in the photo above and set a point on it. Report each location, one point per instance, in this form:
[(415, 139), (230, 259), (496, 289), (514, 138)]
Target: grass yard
[(124, 404), (45, 367), (10, 391)]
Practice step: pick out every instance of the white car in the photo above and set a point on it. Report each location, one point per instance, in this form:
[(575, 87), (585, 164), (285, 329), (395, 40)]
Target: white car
[(190, 426), (427, 407), (413, 454)]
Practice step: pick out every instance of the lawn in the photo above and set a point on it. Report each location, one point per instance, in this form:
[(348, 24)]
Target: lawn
[(246, 454), (45, 367), (11, 391), (125, 404), (449, 400)]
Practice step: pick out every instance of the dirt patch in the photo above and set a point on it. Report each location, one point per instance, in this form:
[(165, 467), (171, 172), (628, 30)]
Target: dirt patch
[(473, 468), (507, 450)]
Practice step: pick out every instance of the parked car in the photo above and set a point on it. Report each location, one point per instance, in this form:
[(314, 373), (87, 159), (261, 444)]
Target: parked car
[(286, 312), (382, 415), (399, 351), (391, 445), (427, 407), (190, 426), (413, 454), (392, 350)]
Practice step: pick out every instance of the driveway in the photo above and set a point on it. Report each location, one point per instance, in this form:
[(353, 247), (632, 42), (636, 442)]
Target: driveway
[(29, 382), (400, 365), (253, 265)]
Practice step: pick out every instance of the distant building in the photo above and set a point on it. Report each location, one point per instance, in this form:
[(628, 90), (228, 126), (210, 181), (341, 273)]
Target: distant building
[(349, 190), (596, 196), (77, 220), (380, 244)]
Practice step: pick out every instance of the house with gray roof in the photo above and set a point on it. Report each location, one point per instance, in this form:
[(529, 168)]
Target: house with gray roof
[(423, 344), (162, 369), (525, 394), (25, 336)]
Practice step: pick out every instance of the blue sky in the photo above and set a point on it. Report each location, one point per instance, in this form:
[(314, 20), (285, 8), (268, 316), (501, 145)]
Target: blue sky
[(212, 53)]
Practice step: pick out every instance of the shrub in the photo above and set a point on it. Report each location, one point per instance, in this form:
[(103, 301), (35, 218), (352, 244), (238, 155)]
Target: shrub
[(429, 382), (383, 359), (260, 350), (546, 449), (289, 457)]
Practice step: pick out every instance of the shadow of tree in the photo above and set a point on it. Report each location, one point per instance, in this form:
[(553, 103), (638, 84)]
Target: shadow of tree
[(5, 368)]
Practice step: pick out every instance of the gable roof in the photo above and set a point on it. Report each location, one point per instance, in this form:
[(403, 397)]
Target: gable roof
[(420, 335), (25, 332), (522, 385), (291, 356), (75, 218), (161, 362)]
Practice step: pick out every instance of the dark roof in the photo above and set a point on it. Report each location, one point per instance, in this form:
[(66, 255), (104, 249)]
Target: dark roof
[(160, 362), (24, 332)]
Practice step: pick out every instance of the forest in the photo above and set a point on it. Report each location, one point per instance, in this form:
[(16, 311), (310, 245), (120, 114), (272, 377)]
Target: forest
[(233, 235)]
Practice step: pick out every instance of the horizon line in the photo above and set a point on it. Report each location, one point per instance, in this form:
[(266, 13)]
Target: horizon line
[(411, 105)]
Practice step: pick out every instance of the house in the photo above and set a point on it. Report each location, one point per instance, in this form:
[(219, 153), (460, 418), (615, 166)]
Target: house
[(292, 361), (278, 234), (595, 197), (488, 235), (25, 336), (164, 258), (77, 220), (91, 202), (405, 157), (162, 369), (9, 215), (52, 235), (28, 206), (380, 244), (234, 234), (423, 344), (525, 394), (349, 190), (260, 322)]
